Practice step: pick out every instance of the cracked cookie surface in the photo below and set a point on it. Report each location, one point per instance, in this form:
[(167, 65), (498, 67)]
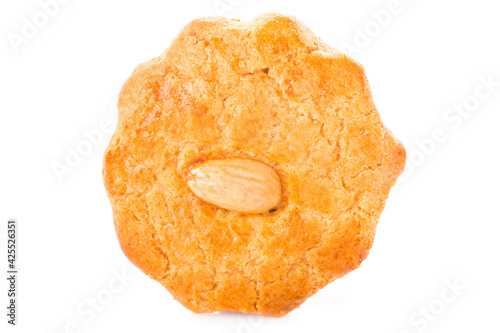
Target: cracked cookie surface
[(267, 90)]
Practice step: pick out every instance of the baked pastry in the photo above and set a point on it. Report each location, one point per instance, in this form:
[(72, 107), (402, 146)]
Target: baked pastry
[(249, 166)]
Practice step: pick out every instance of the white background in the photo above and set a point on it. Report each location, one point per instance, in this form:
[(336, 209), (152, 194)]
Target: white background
[(440, 226)]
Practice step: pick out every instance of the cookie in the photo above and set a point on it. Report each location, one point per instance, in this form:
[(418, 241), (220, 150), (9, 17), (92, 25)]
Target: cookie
[(249, 166)]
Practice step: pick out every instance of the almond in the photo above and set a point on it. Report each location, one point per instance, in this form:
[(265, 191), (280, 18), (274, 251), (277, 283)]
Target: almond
[(241, 185)]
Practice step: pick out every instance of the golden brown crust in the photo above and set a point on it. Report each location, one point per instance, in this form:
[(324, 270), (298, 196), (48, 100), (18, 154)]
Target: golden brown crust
[(267, 90)]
